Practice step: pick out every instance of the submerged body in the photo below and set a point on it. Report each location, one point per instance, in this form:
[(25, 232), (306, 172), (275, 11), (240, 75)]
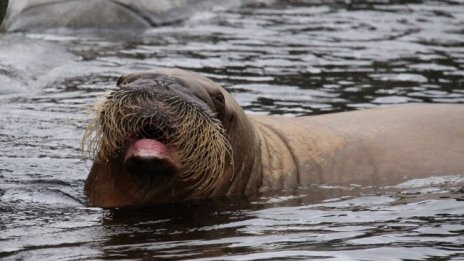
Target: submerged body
[(227, 152)]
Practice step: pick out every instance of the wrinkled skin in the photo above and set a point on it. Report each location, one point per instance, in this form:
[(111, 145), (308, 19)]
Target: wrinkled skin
[(374, 147)]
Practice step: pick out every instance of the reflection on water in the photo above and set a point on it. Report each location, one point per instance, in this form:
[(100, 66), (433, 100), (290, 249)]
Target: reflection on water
[(286, 57), (415, 221)]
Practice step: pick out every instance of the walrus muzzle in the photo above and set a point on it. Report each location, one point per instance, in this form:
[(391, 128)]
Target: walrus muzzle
[(158, 131)]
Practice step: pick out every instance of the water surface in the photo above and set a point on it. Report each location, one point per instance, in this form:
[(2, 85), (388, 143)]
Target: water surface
[(285, 57)]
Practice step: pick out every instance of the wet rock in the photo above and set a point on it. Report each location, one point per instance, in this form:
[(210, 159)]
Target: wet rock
[(40, 15)]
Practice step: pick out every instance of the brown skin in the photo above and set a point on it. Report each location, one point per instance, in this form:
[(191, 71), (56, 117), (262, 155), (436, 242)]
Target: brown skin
[(374, 147)]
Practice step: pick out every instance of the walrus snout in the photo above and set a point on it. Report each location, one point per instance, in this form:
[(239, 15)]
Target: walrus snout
[(151, 157)]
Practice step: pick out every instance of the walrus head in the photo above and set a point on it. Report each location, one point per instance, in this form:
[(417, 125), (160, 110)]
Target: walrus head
[(162, 135)]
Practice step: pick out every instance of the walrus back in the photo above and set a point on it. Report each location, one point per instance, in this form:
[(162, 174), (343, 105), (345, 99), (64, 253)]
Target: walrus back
[(383, 146)]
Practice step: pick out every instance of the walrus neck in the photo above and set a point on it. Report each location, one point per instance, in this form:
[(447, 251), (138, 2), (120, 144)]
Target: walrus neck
[(246, 173), (263, 160), (278, 163)]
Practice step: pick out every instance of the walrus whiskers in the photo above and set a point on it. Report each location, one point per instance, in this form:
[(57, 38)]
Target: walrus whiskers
[(193, 130), (212, 138)]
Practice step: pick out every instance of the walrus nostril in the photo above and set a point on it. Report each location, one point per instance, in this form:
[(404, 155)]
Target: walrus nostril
[(149, 166)]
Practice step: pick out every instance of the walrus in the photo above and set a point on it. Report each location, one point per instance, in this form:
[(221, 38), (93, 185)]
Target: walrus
[(170, 135)]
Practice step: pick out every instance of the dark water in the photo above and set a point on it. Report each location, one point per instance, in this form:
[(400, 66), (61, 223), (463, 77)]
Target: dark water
[(284, 57)]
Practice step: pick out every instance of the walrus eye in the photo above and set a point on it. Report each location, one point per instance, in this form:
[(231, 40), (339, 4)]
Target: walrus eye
[(219, 103), (218, 97)]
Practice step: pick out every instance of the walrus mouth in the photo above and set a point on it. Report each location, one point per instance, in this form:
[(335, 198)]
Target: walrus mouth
[(151, 156), (152, 130)]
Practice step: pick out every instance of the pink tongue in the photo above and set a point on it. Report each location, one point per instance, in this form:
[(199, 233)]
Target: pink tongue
[(148, 148)]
